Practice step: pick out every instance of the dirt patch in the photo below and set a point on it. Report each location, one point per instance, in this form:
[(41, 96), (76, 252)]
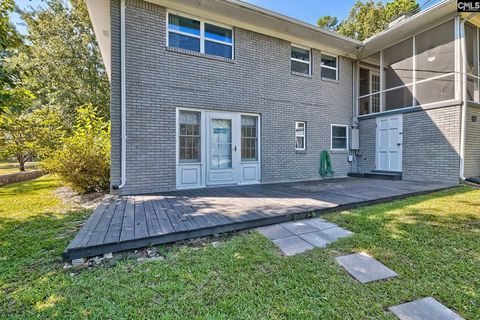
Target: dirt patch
[(80, 201)]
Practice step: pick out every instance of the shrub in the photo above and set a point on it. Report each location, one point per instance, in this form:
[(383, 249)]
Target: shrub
[(84, 160)]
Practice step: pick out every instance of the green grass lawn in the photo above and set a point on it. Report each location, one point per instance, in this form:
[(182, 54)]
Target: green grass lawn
[(432, 242)]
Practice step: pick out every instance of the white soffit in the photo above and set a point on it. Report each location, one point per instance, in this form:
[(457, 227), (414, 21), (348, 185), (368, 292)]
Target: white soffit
[(243, 15), (99, 11)]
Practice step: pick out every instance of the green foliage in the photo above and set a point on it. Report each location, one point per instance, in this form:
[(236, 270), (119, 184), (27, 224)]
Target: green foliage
[(62, 63), (328, 23), (27, 133), (9, 40), (369, 17), (84, 160)]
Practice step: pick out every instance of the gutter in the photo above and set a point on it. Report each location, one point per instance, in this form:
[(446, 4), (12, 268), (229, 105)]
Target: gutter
[(123, 113), (463, 50)]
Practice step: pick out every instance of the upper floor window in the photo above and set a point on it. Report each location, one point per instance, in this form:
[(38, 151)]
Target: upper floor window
[(196, 35), (301, 60), (300, 135), (329, 67)]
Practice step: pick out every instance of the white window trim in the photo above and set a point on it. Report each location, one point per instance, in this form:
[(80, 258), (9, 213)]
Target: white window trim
[(257, 119), (331, 137), (202, 36), (300, 135), (309, 62), (328, 67)]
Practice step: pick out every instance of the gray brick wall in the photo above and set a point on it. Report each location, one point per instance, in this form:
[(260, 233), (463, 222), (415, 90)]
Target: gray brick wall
[(472, 144), (431, 144), (258, 81)]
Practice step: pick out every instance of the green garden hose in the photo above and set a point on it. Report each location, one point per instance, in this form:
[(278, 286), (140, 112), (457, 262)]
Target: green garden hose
[(326, 168)]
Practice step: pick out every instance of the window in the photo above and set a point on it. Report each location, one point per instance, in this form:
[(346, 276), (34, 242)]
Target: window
[(329, 67), (300, 135), (249, 138), (204, 37), (189, 136), (339, 137), (300, 60)]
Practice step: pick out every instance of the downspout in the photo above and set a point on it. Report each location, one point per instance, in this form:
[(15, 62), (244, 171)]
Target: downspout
[(123, 157), (463, 49)]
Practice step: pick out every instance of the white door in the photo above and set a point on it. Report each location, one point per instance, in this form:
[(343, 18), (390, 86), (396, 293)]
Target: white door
[(389, 143), (222, 148)]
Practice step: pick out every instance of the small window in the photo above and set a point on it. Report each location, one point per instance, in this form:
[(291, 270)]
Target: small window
[(189, 136), (300, 60), (329, 67), (300, 135), (339, 137), (195, 35), (249, 138)]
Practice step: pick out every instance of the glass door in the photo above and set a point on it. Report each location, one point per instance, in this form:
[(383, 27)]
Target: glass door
[(222, 148)]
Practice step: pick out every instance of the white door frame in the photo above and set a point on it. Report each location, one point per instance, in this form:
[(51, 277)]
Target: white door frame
[(226, 175), (394, 143), (190, 175)]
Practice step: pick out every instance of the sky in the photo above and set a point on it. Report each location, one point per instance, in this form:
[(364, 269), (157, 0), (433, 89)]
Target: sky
[(305, 10)]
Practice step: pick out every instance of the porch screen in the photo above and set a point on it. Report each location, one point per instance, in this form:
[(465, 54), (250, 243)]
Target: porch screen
[(398, 68), (435, 58)]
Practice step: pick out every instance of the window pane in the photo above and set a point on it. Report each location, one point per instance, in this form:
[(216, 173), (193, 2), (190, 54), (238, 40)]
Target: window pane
[(218, 33), (249, 138), (221, 144), (329, 73), (339, 143), (300, 143), (329, 61), (300, 67), (218, 49), (189, 139), (339, 132), (301, 54), (184, 42), (183, 24)]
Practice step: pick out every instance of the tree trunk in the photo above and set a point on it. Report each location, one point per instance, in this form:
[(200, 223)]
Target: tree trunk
[(21, 163)]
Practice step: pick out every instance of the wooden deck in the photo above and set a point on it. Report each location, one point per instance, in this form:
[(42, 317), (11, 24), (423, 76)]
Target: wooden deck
[(127, 223)]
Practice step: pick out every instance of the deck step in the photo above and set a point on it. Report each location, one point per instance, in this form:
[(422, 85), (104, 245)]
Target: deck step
[(376, 174)]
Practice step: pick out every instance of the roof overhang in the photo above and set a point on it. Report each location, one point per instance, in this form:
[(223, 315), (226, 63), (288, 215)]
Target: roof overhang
[(237, 14), (99, 11), (420, 22)]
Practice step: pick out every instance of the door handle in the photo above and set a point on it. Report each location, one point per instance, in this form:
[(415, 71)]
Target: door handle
[(235, 148), (399, 144)]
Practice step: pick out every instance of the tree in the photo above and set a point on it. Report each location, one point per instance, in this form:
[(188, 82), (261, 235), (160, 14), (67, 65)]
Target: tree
[(9, 41), (328, 22), (369, 17), (62, 63), (27, 133)]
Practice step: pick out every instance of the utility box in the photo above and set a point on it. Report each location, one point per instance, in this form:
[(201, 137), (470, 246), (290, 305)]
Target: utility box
[(355, 144)]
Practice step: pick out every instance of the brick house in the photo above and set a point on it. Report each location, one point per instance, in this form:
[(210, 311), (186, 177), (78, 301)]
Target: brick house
[(221, 92)]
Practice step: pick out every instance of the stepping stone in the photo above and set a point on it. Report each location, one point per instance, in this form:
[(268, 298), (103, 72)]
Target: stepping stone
[(424, 309), (299, 227), (320, 224), (364, 268), (292, 245), (275, 232), (336, 233), (316, 239)]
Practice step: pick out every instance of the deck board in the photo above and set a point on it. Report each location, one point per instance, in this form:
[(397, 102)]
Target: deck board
[(130, 222)]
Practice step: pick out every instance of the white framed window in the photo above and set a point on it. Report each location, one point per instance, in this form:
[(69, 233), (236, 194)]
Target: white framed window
[(300, 135), (329, 65), (194, 34), (249, 138), (301, 60), (189, 135), (339, 134)]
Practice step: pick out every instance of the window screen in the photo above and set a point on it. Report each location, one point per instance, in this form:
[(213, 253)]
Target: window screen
[(249, 138), (189, 136)]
